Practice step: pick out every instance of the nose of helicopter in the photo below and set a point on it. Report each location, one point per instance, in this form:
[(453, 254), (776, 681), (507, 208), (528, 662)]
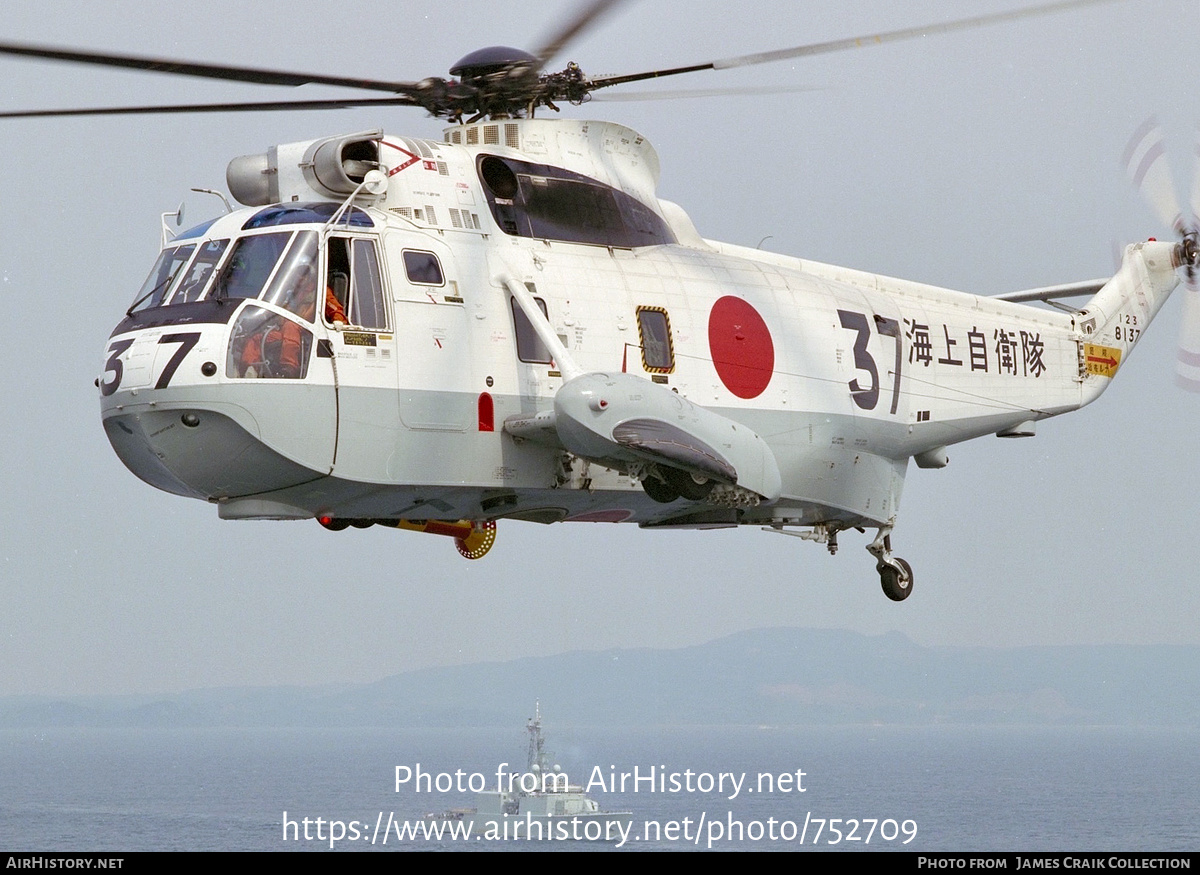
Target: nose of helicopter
[(177, 421), (196, 451)]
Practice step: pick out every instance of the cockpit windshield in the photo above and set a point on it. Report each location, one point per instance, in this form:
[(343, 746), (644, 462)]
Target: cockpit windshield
[(154, 290), (250, 265), (198, 273), (273, 266)]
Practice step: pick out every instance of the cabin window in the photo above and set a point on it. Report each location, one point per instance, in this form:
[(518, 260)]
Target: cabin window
[(529, 346), (544, 202), (654, 331), (154, 290), (423, 268)]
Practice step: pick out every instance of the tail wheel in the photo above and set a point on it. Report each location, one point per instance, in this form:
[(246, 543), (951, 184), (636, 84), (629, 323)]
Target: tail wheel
[(897, 581), (477, 544)]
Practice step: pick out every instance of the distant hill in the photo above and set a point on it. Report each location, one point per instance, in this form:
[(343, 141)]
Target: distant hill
[(764, 676)]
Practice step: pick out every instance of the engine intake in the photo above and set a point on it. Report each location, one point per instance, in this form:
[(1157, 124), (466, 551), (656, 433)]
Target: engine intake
[(329, 169)]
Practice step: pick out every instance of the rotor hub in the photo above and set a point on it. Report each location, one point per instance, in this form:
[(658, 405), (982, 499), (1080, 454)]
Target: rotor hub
[(493, 59)]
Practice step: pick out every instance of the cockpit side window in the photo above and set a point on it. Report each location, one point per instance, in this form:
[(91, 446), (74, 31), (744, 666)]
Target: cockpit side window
[(265, 344), (354, 284), (366, 300), (337, 279), (154, 290), (294, 286)]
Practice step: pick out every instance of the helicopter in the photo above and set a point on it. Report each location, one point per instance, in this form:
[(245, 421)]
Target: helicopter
[(530, 333)]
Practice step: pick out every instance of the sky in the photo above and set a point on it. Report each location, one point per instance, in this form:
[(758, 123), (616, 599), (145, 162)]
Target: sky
[(985, 161)]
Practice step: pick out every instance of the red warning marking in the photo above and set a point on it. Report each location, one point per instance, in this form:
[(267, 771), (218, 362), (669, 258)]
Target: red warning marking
[(741, 347), (487, 412), (412, 159)]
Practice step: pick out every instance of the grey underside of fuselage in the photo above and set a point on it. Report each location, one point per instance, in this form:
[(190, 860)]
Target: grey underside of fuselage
[(401, 465)]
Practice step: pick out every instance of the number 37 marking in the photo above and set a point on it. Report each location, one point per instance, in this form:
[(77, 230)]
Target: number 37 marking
[(186, 341), (868, 397)]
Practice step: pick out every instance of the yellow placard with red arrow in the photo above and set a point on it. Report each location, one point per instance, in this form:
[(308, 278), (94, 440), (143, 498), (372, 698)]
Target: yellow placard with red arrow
[(1102, 361)]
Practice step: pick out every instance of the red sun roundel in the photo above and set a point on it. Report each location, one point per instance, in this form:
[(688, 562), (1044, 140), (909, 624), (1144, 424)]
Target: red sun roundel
[(741, 347)]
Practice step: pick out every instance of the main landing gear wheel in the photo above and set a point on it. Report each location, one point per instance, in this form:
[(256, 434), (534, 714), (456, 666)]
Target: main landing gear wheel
[(688, 485), (661, 492), (897, 580)]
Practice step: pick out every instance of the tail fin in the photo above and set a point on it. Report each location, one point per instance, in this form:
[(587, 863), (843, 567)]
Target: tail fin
[(1112, 322)]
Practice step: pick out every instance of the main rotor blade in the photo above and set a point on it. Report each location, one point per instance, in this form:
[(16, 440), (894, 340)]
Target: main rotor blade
[(691, 93), (208, 71), (214, 107), (583, 19), (854, 42)]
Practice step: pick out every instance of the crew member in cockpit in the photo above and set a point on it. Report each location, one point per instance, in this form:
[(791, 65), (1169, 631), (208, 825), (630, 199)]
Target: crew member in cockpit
[(334, 309), (277, 347), (304, 289), (303, 302)]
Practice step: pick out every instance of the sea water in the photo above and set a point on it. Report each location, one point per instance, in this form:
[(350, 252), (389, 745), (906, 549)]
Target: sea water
[(947, 788)]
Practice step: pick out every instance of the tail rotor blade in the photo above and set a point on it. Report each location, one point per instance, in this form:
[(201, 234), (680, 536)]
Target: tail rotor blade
[(1195, 201), (1187, 362), (1146, 163)]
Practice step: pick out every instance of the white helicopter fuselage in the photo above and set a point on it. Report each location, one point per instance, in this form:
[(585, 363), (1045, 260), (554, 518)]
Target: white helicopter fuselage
[(798, 390)]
